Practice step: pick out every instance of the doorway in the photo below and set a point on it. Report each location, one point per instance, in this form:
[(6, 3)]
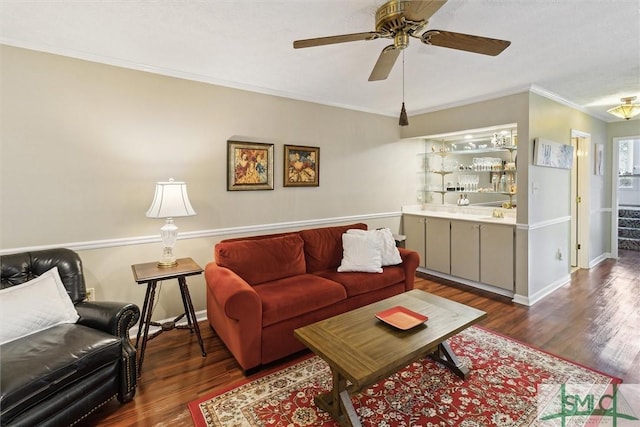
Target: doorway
[(579, 241), (625, 194)]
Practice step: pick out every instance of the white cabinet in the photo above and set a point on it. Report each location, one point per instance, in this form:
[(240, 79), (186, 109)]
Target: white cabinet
[(497, 250), (430, 238), (465, 250), (437, 242), (413, 229), (481, 252)]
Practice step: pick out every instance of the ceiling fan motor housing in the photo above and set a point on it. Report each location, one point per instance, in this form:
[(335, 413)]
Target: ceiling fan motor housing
[(390, 16)]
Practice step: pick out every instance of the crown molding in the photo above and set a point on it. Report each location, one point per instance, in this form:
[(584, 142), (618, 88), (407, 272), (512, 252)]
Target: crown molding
[(122, 63), (168, 72)]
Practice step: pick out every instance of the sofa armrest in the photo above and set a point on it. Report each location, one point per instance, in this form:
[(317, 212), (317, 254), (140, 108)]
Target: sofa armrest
[(236, 296), (234, 310), (115, 318), (410, 263)]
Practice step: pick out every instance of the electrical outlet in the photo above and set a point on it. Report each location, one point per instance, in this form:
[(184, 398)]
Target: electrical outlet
[(91, 294)]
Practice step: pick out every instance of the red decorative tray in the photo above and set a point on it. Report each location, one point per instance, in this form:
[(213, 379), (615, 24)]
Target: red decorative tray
[(401, 318)]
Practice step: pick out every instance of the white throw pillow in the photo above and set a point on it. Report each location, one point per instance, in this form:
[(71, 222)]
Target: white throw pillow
[(361, 252), (390, 253), (34, 306)]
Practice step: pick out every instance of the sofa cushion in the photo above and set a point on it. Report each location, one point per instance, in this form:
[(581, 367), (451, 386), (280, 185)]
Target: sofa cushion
[(361, 252), (359, 283), (263, 260), (35, 305), (58, 356), (388, 250), (323, 246), (293, 296)]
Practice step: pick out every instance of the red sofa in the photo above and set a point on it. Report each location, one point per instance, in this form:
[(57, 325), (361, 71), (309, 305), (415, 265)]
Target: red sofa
[(261, 288)]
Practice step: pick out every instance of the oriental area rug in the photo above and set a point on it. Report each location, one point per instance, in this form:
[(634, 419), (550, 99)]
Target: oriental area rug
[(502, 389)]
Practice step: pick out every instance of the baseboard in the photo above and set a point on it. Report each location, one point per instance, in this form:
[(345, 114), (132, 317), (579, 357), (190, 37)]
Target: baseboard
[(484, 287), (532, 299), (200, 316), (599, 259)]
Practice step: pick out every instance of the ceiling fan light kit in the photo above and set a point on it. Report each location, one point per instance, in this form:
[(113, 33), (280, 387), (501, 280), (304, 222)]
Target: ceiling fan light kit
[(627, 109)]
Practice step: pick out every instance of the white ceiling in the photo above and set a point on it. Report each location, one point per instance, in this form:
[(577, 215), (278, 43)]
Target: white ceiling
[(585, 53)]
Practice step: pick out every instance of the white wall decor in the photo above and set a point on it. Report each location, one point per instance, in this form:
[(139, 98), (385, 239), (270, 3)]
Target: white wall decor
[(598, 165), (552, 154)]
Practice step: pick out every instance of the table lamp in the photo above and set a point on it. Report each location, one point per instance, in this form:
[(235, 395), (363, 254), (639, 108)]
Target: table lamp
[(170, 201)]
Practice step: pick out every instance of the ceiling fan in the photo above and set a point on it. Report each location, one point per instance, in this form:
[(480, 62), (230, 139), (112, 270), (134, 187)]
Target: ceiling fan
[(401, 19)]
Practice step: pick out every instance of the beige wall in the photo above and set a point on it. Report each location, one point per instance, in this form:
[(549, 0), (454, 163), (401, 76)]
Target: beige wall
[(542, 224), (503, 110), (83, 145), (498, 111)]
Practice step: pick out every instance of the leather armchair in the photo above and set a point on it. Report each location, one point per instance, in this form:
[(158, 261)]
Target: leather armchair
[(62, 374)]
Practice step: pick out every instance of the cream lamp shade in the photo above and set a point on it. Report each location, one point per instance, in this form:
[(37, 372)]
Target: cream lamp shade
[(170, 201)]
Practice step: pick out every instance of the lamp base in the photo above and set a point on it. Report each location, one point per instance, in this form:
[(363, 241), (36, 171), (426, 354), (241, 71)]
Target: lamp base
[(169, 233), (167, 264)]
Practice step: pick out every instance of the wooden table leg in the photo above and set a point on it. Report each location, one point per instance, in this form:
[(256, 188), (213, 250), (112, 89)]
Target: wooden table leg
[(338, 402), (145, 322), (191, 315), (143, 315), (445, 355)]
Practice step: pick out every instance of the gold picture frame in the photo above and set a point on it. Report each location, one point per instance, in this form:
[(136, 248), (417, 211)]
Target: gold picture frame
[(249, 166), (301, 166)]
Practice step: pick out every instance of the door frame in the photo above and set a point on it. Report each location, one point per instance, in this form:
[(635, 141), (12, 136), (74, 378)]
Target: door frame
[(615, 161), (580, 184)]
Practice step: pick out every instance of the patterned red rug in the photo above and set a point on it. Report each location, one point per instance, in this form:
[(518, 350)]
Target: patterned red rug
[(502, 390)]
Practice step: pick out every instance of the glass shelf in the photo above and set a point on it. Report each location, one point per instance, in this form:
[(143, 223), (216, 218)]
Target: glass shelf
[(472, 151), (449, 157)]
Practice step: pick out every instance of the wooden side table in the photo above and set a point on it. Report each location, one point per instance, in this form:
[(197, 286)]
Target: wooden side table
[(150, 273)]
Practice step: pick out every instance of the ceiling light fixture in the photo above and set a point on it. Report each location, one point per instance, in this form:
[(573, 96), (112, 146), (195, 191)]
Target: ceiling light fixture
[(404, 120), (626, 110)]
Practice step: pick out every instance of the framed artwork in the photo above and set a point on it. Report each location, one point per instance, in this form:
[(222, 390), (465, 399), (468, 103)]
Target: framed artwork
[(598, 166), (552, 154), (249, 166), (301, 166)]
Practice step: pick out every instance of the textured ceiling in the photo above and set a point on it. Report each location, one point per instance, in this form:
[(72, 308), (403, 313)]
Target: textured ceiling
[(583, 52)]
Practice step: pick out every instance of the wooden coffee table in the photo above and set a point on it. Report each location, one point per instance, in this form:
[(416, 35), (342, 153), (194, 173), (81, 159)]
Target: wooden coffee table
[(362, 349)]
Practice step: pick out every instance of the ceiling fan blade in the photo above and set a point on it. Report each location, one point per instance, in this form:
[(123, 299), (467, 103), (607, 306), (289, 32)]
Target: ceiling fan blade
[(385, 63), (422, 10), (320, 41), (466, 42)]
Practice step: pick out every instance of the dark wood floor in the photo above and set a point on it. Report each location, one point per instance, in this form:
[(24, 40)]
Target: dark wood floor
[(594, 321)]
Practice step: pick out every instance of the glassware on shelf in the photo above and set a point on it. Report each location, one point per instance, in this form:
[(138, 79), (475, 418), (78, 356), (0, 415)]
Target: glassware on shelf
[(449, 164)]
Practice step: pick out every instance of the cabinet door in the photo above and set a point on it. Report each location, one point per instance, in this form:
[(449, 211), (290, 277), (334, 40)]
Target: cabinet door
[(438, 248), (413, 228), (497, 255), (465, 250)]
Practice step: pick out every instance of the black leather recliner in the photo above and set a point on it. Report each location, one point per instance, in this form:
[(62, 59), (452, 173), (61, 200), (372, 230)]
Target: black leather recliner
[(62, 374)]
